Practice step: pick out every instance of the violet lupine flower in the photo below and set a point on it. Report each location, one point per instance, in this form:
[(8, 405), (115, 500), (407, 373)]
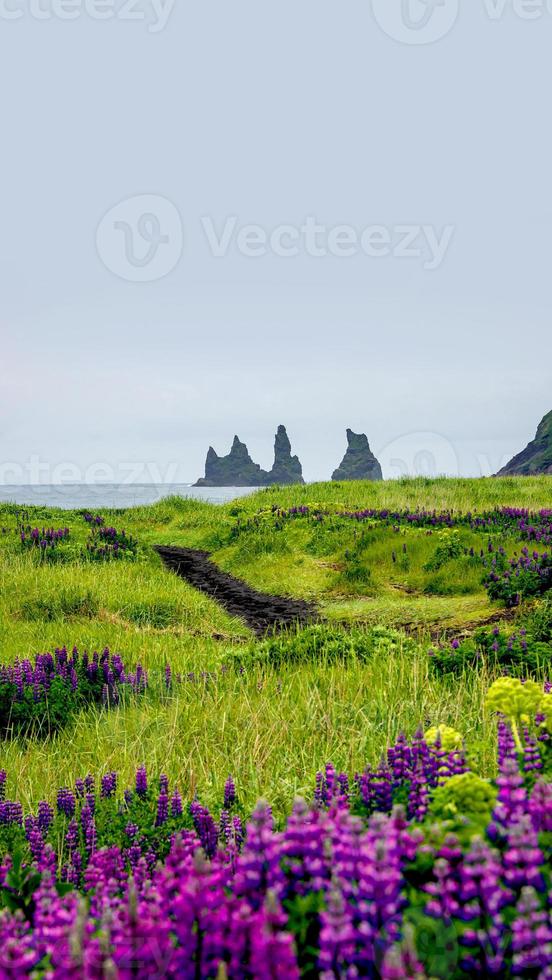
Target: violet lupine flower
[(511, 803), (540, 807), (523, 858), (444, 902), (258, 868), (272, 948), (531, 937), (337, 938), (162, 809), (141, 781), (205, 827), (45, 815), (176, 804), (229, 793), (66, 803), (482, 897), (109, 785), (164, 784), (306, 867), (532, 760)]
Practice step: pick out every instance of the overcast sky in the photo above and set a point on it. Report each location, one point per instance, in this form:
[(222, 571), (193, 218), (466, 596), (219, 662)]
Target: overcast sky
[(146, 330)]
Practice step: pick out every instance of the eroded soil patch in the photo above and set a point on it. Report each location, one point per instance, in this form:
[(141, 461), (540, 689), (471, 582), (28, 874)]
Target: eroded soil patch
[(259, 610)]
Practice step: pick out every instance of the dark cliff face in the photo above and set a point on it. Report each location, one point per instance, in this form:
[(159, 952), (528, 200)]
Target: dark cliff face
[(536, 458), (235, 470), (286, 468), (238, 469), (359, 462)]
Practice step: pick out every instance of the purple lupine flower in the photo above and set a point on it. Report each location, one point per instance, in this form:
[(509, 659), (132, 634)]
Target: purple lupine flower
[(66, 803), (176, 804), (45, 815), (531, 937), (162, 809), (337, 937), (523, 858), (108, 785), (141, 781), (540, 806), (229, 793)]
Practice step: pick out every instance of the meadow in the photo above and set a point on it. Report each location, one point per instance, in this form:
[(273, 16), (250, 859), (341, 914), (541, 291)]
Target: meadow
[(430, 593)]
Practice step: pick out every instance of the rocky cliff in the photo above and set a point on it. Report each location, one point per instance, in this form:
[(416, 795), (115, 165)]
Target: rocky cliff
[(359, 462), (536, 458), (238, 469), (235, 470), (286, 468)]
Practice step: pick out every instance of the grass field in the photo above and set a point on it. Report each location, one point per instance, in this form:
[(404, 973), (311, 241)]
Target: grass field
[(271, 728)]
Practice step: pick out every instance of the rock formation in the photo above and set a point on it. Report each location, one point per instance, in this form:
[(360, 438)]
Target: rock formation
[(235, 470), (359, 462), (536, 458), (238, 469), (285, 468)]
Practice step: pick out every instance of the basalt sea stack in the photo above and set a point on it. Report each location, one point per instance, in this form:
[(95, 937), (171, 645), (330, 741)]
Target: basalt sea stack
[(536, 458), (359, 462), (238, 469), (286, 468)]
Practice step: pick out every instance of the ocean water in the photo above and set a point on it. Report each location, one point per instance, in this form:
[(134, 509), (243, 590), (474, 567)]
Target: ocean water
[(72, 496)]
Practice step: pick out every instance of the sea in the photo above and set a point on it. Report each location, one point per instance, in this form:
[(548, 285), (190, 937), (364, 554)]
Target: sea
[(97, 496)]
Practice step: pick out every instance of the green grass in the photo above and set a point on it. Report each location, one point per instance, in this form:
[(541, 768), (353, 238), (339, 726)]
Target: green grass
[(271, 728)]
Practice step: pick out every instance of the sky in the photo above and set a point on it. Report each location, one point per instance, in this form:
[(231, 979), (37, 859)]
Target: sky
[(218, 217)]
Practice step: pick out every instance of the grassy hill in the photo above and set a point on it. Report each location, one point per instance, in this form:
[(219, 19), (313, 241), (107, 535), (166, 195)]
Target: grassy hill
[(401, 584)]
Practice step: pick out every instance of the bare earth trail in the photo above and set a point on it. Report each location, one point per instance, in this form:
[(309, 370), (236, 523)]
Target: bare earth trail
[(261, 611)]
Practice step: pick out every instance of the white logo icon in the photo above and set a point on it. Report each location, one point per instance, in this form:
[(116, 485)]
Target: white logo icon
[(416, 21), (141, 238)]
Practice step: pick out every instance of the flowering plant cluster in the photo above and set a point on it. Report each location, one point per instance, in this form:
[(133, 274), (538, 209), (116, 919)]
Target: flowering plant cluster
[(108, 544), (44, 540), (418, 869), (534, 526), (529, 574), (518, 651), (95, 519), (41, 695)]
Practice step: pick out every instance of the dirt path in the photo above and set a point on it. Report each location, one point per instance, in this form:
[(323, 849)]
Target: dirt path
[(260, 610)]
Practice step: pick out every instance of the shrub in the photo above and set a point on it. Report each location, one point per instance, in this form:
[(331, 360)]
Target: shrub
[(160, 614), (516, 652), (40, 696), (66, 603), (108, 544), (449, 548), (319, 643), (525, 576)]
